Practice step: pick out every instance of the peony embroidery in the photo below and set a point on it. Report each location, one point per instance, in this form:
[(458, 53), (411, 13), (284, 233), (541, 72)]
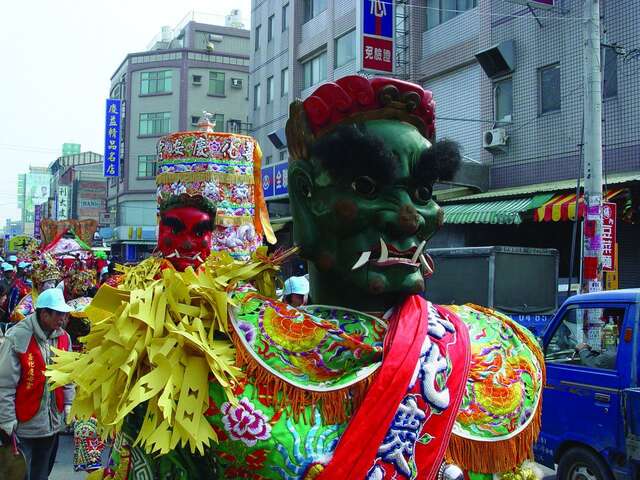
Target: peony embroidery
[(212, 191), (245, 422), (178, 188)]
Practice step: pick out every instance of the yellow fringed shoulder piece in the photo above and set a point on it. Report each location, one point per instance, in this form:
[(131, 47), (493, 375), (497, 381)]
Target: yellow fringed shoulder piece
[(152, 340)]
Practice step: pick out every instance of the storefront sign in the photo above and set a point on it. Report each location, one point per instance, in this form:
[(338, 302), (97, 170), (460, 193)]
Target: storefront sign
[(280, 174), (112, 138), (609, 236), (275, 181), (267, 181), (375, 35)]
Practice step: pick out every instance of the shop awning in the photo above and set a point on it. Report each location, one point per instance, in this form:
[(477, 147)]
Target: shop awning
[(507, 212), (562, 207)]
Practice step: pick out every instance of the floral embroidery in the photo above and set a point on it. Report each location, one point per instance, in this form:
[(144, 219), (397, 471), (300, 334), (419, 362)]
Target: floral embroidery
[(178, 188), (245, 422), (212, 190)]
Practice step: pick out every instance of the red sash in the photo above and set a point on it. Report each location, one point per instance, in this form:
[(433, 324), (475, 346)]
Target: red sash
[(389, 399), (32, 381)]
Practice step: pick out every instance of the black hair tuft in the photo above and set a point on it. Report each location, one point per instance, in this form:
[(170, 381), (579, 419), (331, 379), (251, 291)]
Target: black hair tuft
[(440, 162), (349, 151)]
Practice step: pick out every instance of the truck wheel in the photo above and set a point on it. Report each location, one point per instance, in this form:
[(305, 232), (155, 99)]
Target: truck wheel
[(582, 464)]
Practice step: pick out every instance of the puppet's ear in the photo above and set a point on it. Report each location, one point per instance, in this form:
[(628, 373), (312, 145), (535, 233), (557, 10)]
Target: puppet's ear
[(301, 193)]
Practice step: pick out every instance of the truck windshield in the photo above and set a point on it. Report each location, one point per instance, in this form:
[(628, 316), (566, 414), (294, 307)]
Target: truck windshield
[(587, 337)]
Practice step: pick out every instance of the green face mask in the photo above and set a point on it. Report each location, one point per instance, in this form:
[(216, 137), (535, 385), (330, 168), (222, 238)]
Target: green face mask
[(364, 228)]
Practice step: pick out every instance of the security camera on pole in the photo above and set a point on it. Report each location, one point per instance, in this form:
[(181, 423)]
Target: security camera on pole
[(592, 249)]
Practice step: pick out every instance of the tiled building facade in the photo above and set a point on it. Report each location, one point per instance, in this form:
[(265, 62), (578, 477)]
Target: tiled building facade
[(538, 102)]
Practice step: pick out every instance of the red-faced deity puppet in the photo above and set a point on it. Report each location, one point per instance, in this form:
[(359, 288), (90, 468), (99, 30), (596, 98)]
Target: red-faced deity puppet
[(209, 196), (185, 236)]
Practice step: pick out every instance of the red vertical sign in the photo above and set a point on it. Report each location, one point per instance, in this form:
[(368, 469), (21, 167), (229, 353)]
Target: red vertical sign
[(608, 236)]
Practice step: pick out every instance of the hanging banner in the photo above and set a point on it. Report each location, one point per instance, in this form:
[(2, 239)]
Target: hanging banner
[(609, 236), (62, 203), (112, 138), (375, 35), (37, 218)]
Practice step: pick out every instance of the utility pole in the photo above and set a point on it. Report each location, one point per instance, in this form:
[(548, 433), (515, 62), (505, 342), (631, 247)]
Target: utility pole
[(592, 226)]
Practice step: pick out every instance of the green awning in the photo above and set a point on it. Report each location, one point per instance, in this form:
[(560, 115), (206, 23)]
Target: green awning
[(529, 190), (504, 212)]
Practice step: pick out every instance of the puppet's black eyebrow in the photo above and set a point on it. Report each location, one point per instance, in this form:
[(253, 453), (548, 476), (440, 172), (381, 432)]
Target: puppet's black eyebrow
[(203, 226), (349, 152), (174, 223), (438, 163)]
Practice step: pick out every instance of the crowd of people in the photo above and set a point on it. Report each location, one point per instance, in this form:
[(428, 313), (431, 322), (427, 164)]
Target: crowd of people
[(42, 297)]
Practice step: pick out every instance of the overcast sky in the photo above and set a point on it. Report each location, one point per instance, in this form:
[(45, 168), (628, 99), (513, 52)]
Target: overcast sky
[(58, 57)]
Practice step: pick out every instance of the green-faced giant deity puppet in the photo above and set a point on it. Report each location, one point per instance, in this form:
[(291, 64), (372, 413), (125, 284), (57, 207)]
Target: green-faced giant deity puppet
[(204, 374)]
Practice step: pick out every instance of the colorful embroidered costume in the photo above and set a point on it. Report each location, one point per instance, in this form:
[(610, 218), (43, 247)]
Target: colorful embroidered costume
[(203, 374)]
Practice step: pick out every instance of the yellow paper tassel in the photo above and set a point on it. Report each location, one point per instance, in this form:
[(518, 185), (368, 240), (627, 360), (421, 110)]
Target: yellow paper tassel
[(152, 340)]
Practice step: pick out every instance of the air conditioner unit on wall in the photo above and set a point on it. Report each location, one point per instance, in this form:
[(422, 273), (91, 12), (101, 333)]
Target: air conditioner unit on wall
[(495, 139), (236, 82)]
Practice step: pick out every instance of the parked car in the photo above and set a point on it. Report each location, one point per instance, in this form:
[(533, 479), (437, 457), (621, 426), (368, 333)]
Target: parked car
[(591, 401)]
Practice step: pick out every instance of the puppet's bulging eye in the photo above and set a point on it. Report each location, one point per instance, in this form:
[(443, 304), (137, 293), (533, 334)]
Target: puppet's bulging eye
[(364, 186)]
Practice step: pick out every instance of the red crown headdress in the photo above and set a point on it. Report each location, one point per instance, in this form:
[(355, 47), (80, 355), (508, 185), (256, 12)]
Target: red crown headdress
[(354, 99)]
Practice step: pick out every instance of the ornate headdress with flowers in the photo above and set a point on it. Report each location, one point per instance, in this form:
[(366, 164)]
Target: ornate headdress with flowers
[(354, 99), (220, 174)]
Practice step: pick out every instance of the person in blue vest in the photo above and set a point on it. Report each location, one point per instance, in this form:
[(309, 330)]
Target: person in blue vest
[(29, 410)]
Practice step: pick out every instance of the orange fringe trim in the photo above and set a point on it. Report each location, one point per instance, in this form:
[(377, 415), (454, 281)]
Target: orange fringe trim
[(335, 407), (506, 455)]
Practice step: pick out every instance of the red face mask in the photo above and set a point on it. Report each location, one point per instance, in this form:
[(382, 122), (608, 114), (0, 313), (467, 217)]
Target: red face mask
[(184, 237)]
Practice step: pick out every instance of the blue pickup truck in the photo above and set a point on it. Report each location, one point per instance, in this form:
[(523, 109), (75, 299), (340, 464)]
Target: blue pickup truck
[(591, 402)]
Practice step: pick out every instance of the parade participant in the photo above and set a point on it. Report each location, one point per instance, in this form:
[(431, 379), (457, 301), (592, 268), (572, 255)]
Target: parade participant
[(45, 274), (8, 272), (28, 409), (296, 291), (373, 383)]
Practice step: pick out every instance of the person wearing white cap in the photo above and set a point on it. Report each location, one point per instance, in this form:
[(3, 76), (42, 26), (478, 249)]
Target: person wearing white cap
[(28, 408), (13, 260), (296, 291)]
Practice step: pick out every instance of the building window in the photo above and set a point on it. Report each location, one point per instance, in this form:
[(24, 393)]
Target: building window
[(503, 97), (256, 96), (155, 123), (284, 82), (146, 165), (196, 79), (270, 89), (234, 126), (315, 70), (194, 120), (313, 8), (285, 17), (439, 11), (345, 48), (610, 73), (257, 39), (218, 119), (549, 88), (270, 28), (155, 82), (216, 83), (284, 155)]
